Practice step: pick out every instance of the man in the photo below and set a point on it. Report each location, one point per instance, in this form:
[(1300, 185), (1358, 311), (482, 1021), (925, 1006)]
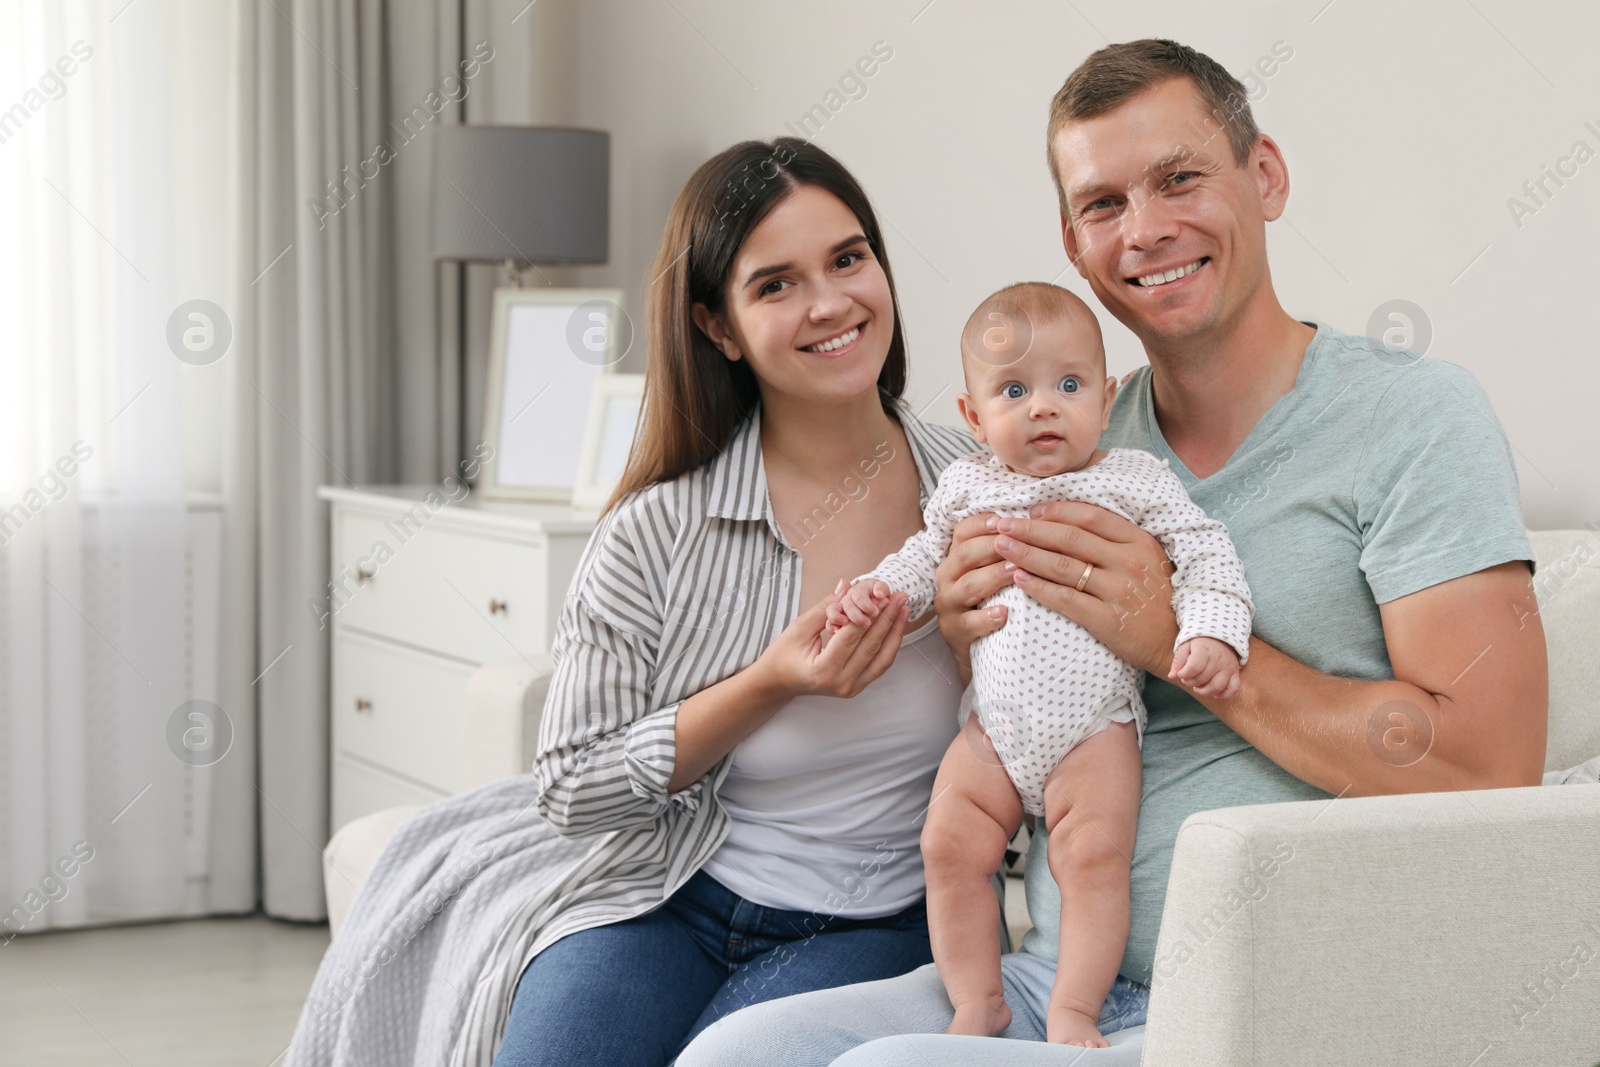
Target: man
[(1371, 494)]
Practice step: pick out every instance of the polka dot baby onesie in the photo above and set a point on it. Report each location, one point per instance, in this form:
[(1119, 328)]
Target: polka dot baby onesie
[(1041, 684)]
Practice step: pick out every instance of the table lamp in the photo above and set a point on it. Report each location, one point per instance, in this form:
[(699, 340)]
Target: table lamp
[(522, 195)]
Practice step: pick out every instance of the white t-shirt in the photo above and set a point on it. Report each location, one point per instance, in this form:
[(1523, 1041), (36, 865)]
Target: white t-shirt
[(828, 796)]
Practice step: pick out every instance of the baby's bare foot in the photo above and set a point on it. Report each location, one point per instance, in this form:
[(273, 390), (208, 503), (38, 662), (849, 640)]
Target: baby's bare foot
[(1064, 1026), (981, 1018)]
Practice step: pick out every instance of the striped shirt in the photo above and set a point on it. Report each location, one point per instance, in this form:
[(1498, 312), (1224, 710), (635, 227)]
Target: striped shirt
[(682, 585)]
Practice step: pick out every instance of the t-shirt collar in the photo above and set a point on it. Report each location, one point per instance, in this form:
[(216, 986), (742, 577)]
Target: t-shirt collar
[(1264, 426)]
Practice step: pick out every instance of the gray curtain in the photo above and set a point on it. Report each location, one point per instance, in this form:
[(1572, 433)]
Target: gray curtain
[(352, 363)]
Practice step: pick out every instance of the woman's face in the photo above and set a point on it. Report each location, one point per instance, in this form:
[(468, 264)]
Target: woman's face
[(807, 303)]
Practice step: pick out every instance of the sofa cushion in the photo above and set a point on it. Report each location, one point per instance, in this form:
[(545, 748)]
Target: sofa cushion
[(1567, 583), (350, 855)]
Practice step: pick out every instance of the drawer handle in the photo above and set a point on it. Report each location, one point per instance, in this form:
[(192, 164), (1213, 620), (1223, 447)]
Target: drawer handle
[(364, 575), (497, 607), (363, 704)]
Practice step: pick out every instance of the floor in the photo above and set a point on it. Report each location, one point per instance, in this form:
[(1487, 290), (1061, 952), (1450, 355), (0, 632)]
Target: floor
[(211, 992), (206, 993)]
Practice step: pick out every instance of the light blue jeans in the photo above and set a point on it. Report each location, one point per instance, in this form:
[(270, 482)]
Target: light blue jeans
[(899, 1022)]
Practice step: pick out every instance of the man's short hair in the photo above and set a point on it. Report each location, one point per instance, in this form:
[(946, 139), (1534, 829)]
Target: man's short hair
[(1119, 72)]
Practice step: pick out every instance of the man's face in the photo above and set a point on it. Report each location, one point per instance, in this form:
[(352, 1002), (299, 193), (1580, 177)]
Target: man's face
[(1152, 188)]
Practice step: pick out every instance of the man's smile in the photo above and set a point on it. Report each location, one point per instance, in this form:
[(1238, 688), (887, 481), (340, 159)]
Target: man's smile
[(1156, 279)]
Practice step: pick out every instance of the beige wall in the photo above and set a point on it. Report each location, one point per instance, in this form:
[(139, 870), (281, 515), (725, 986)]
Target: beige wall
[(1406, 126)]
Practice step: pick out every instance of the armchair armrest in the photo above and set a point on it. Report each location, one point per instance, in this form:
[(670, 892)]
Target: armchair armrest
[(1432, 928), (505, 700)]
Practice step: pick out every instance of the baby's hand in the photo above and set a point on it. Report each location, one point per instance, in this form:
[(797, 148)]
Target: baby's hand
[(860, 604), (1208, 666)]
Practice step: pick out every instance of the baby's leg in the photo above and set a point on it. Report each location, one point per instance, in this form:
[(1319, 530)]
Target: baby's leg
[(975, 811), (1092, 812)]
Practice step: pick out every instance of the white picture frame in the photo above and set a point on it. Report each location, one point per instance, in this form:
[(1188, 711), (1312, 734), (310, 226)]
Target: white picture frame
[(614, 408), (547, 349)]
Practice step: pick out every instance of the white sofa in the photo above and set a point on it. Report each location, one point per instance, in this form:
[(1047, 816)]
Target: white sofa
[(1454, 929)]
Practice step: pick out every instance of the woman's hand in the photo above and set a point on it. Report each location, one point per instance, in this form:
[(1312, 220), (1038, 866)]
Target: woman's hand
[(804, 659), (1127, 601), (971, 572)]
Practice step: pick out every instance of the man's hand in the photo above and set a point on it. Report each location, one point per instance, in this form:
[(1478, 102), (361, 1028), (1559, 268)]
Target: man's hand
[(1126, 603), (970, 574)]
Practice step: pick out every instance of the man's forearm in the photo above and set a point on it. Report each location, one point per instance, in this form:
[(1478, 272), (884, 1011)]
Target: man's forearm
[(1359, 738)]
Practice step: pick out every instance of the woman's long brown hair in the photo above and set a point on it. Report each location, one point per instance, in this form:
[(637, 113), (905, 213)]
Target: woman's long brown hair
[(694, 396)]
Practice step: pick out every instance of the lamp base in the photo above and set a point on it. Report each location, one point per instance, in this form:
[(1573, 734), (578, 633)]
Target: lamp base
[(514, 274)]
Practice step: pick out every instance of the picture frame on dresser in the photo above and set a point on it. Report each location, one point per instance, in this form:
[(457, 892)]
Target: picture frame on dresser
[(614, 408), (547, 349)]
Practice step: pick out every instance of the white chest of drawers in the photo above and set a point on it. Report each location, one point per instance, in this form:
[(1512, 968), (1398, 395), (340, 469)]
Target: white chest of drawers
[(425, 591)]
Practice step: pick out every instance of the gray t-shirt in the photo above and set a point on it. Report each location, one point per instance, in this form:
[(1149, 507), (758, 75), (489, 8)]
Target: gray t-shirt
[(1377, 475)]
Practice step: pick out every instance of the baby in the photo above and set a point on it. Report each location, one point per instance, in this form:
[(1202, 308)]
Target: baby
[(1062, 719)]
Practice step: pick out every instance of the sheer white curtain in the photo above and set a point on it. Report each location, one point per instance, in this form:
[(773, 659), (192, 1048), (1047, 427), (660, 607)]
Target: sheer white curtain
[(107, 776), (177, 316)]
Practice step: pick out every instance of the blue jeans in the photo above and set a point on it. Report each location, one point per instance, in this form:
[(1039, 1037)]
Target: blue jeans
[(635, 992), (900, 1023)]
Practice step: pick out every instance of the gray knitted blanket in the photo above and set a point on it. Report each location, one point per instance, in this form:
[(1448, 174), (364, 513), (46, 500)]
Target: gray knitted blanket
[(422, 973), (467, 891)]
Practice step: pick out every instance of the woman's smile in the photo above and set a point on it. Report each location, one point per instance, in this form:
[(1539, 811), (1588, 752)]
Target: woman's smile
[(838, 344)]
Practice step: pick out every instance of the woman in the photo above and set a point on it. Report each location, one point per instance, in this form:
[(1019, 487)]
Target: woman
[(722, 758)]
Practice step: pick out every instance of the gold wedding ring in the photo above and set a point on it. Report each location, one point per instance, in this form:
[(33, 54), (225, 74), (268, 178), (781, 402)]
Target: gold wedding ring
[(1083, 579)]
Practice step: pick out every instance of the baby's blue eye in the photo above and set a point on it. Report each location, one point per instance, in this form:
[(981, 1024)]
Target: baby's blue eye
[(1069, 385), (1012, 390)]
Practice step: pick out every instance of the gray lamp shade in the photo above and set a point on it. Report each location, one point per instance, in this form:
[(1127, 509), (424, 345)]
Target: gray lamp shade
[(537, 194)]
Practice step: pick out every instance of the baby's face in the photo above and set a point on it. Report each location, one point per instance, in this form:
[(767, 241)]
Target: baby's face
[(1041, 412)]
